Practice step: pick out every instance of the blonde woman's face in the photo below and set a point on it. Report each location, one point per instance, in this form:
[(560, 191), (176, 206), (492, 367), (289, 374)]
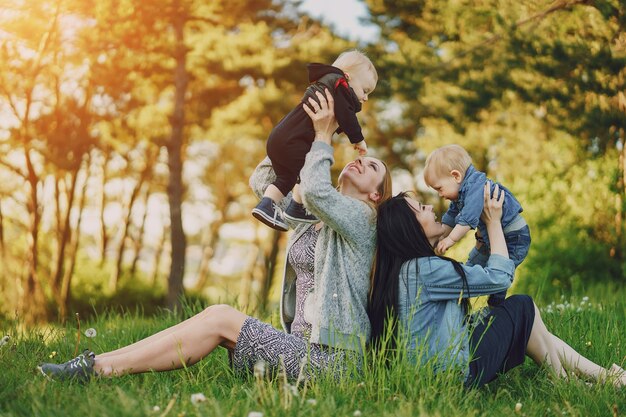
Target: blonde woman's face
[(363, 83), (364, 174)]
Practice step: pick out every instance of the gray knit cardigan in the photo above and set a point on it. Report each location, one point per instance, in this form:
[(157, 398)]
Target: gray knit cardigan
[(343, 254)]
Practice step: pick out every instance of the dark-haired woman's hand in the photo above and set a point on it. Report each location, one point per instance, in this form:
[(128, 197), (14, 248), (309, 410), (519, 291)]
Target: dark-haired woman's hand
[(492, 209), (323, 116)]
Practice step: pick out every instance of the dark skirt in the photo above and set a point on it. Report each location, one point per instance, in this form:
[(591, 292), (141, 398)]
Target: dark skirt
[(498, 343), (272, 351)]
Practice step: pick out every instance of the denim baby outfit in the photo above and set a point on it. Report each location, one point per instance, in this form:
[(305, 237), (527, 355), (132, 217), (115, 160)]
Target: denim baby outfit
[(466, 211)]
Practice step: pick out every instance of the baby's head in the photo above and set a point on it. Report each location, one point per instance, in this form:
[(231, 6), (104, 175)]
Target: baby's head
[(360, 72), (445, 169)]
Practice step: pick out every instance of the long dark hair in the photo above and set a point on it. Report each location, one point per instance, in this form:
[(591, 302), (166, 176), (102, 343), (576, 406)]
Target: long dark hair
[(400, 238)]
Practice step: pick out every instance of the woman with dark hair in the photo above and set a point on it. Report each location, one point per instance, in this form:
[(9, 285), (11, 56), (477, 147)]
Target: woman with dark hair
[(423, 297)]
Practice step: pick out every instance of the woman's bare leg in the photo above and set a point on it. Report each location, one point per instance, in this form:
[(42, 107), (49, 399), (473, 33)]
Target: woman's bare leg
[(183, 344), (545, 348)]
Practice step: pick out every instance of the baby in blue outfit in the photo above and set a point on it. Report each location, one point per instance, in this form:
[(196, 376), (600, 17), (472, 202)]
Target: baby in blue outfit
[(450, 172)]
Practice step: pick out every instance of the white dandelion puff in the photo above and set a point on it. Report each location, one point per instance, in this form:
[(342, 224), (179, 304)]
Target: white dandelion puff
[(197, 398), (156, 408), (255, 414), (357, 413), (518, 407), (91, 332), (259, 369)]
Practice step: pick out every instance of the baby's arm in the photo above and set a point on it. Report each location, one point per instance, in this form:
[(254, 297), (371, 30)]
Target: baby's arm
[(455, 235), (361, 147)]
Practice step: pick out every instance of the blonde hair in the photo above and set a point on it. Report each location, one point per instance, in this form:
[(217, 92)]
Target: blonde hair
[(444, 160), (385, 186), (355, 62)]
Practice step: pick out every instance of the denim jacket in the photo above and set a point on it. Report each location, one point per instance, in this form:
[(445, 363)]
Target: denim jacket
[(429, 310), (467, 208)]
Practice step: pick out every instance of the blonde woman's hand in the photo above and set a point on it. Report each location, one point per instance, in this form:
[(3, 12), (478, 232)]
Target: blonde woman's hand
[(322, 115), (361, 147), (492, 209)]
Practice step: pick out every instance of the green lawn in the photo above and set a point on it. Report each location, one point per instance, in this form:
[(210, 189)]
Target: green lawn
[(596, 330)]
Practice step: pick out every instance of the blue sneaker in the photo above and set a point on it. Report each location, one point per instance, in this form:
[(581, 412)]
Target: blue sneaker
[(80, 368), (270, 214), (296, 212)]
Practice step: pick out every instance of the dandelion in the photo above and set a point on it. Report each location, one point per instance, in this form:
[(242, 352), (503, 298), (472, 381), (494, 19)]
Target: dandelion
[(290, 389), (585, 299), (259, 369), (156, 408), (588, 343), (53, 354), (5, 340), (311, 401), (197, 398), (91, 332), (357, 413), (518, 407), (255, 414)]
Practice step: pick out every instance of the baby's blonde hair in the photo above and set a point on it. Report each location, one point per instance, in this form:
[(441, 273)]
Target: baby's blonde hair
[(355, 62), (445, 159)]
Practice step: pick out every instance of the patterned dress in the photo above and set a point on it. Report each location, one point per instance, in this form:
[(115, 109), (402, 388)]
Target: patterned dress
[(301, 257), (271, 349)]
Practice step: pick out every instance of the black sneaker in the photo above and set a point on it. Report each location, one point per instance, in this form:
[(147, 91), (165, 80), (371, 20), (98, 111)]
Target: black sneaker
[(80, 368), (270, 214), (297, 213)]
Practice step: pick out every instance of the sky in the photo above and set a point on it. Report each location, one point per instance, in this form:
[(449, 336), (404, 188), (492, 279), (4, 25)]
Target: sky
[(343, 16)]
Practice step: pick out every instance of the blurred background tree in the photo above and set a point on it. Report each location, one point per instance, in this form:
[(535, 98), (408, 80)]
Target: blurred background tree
[(129, 130)]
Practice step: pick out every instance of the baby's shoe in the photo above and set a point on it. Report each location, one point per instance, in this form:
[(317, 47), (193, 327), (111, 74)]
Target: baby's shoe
[(296, 212), (270, 214)]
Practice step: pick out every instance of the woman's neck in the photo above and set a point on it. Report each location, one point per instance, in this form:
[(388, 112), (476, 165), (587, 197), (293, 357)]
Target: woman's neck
[(353, 192)]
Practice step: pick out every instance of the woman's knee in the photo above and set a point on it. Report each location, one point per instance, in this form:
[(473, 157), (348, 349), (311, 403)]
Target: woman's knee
[(224, 319), (218, 312)]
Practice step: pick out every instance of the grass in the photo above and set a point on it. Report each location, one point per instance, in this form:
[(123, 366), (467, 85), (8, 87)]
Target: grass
[(596, 330)]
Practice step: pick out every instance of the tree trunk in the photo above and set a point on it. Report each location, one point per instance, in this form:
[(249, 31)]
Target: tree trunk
[(158, 251), (2, 248), (138, 240), (65, 234), (270, 268), (117, 271), (3, 257), (66, 285), (175, 163), (617, 249), (33, 303), (104, 235)]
